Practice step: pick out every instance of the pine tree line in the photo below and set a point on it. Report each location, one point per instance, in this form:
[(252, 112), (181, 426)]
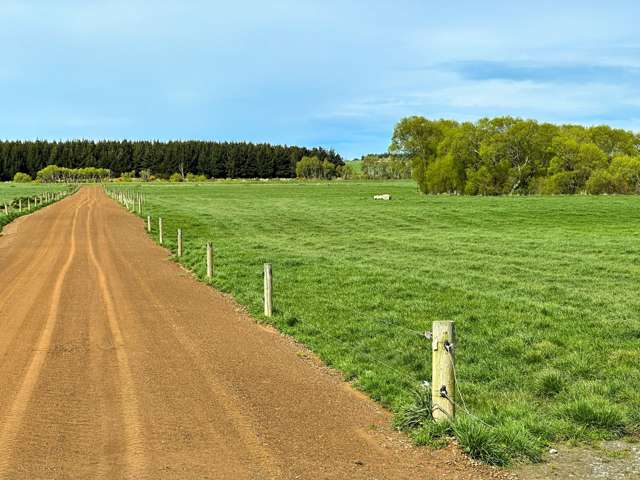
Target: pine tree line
[(213, 159)]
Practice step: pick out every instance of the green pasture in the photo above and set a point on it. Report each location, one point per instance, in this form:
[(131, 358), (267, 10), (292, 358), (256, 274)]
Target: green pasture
[(10, 192), (545, 293)]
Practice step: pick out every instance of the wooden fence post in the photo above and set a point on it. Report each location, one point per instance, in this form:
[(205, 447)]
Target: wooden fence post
[(209, 260), (268, 290), (6, 209), (20, 205), (149, 223), (160, 230), (179, 242), (443, 386)]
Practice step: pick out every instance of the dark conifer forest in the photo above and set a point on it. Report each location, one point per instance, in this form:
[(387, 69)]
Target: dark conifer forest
[(213, 159)]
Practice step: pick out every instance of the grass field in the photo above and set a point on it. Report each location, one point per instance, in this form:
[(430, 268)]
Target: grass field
[(544, 292), (10, 191)]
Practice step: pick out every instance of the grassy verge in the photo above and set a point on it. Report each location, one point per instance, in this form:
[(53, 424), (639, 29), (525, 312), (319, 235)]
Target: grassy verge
[(544, 292)]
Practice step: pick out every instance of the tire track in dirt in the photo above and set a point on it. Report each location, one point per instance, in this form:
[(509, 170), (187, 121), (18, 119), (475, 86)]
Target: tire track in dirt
[(13, 418), (27, 265), (244, 427), (129, 404), (28, 282)]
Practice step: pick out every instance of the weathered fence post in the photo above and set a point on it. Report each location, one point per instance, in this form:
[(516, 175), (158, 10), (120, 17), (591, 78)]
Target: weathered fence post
[(6, 209), (149, 223), (443, 386), (268, 290), (160, 230), (139, 205), (209, 260), (29, 204), (179, 242), (20, 205)]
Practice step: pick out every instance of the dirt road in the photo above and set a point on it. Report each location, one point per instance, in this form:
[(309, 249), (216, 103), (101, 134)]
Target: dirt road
[(115, 363)]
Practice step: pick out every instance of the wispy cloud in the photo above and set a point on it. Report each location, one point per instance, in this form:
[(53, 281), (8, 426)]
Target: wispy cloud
[(547, 73)]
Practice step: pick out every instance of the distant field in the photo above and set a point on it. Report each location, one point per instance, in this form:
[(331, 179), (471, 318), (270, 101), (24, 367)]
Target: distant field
[(10, 190), (545, 292), (355, 164)]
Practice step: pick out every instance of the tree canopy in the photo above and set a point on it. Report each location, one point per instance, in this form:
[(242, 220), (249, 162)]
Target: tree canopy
[(53, 173), (504, 155)]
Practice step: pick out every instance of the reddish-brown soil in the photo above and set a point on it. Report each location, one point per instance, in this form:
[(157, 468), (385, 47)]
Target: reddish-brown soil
[(115, 363)]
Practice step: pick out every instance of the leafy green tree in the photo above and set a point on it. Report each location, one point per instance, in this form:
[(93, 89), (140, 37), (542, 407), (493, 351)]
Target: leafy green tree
[(480, 182), (580, 159), (192, 177), (127, 176), (603, 181), (442, 176), (628, 169), (328, 170), (309, 167), (21, 177), (145, 174), (418, 139), (345, 172)]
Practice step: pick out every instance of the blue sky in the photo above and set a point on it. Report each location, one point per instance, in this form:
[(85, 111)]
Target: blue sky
[(338, 74)]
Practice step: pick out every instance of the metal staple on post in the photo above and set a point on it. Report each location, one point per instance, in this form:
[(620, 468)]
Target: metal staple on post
[(268, 290), (443, 386)]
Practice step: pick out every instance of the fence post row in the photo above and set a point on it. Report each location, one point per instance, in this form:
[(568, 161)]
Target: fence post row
[(443, 387)]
